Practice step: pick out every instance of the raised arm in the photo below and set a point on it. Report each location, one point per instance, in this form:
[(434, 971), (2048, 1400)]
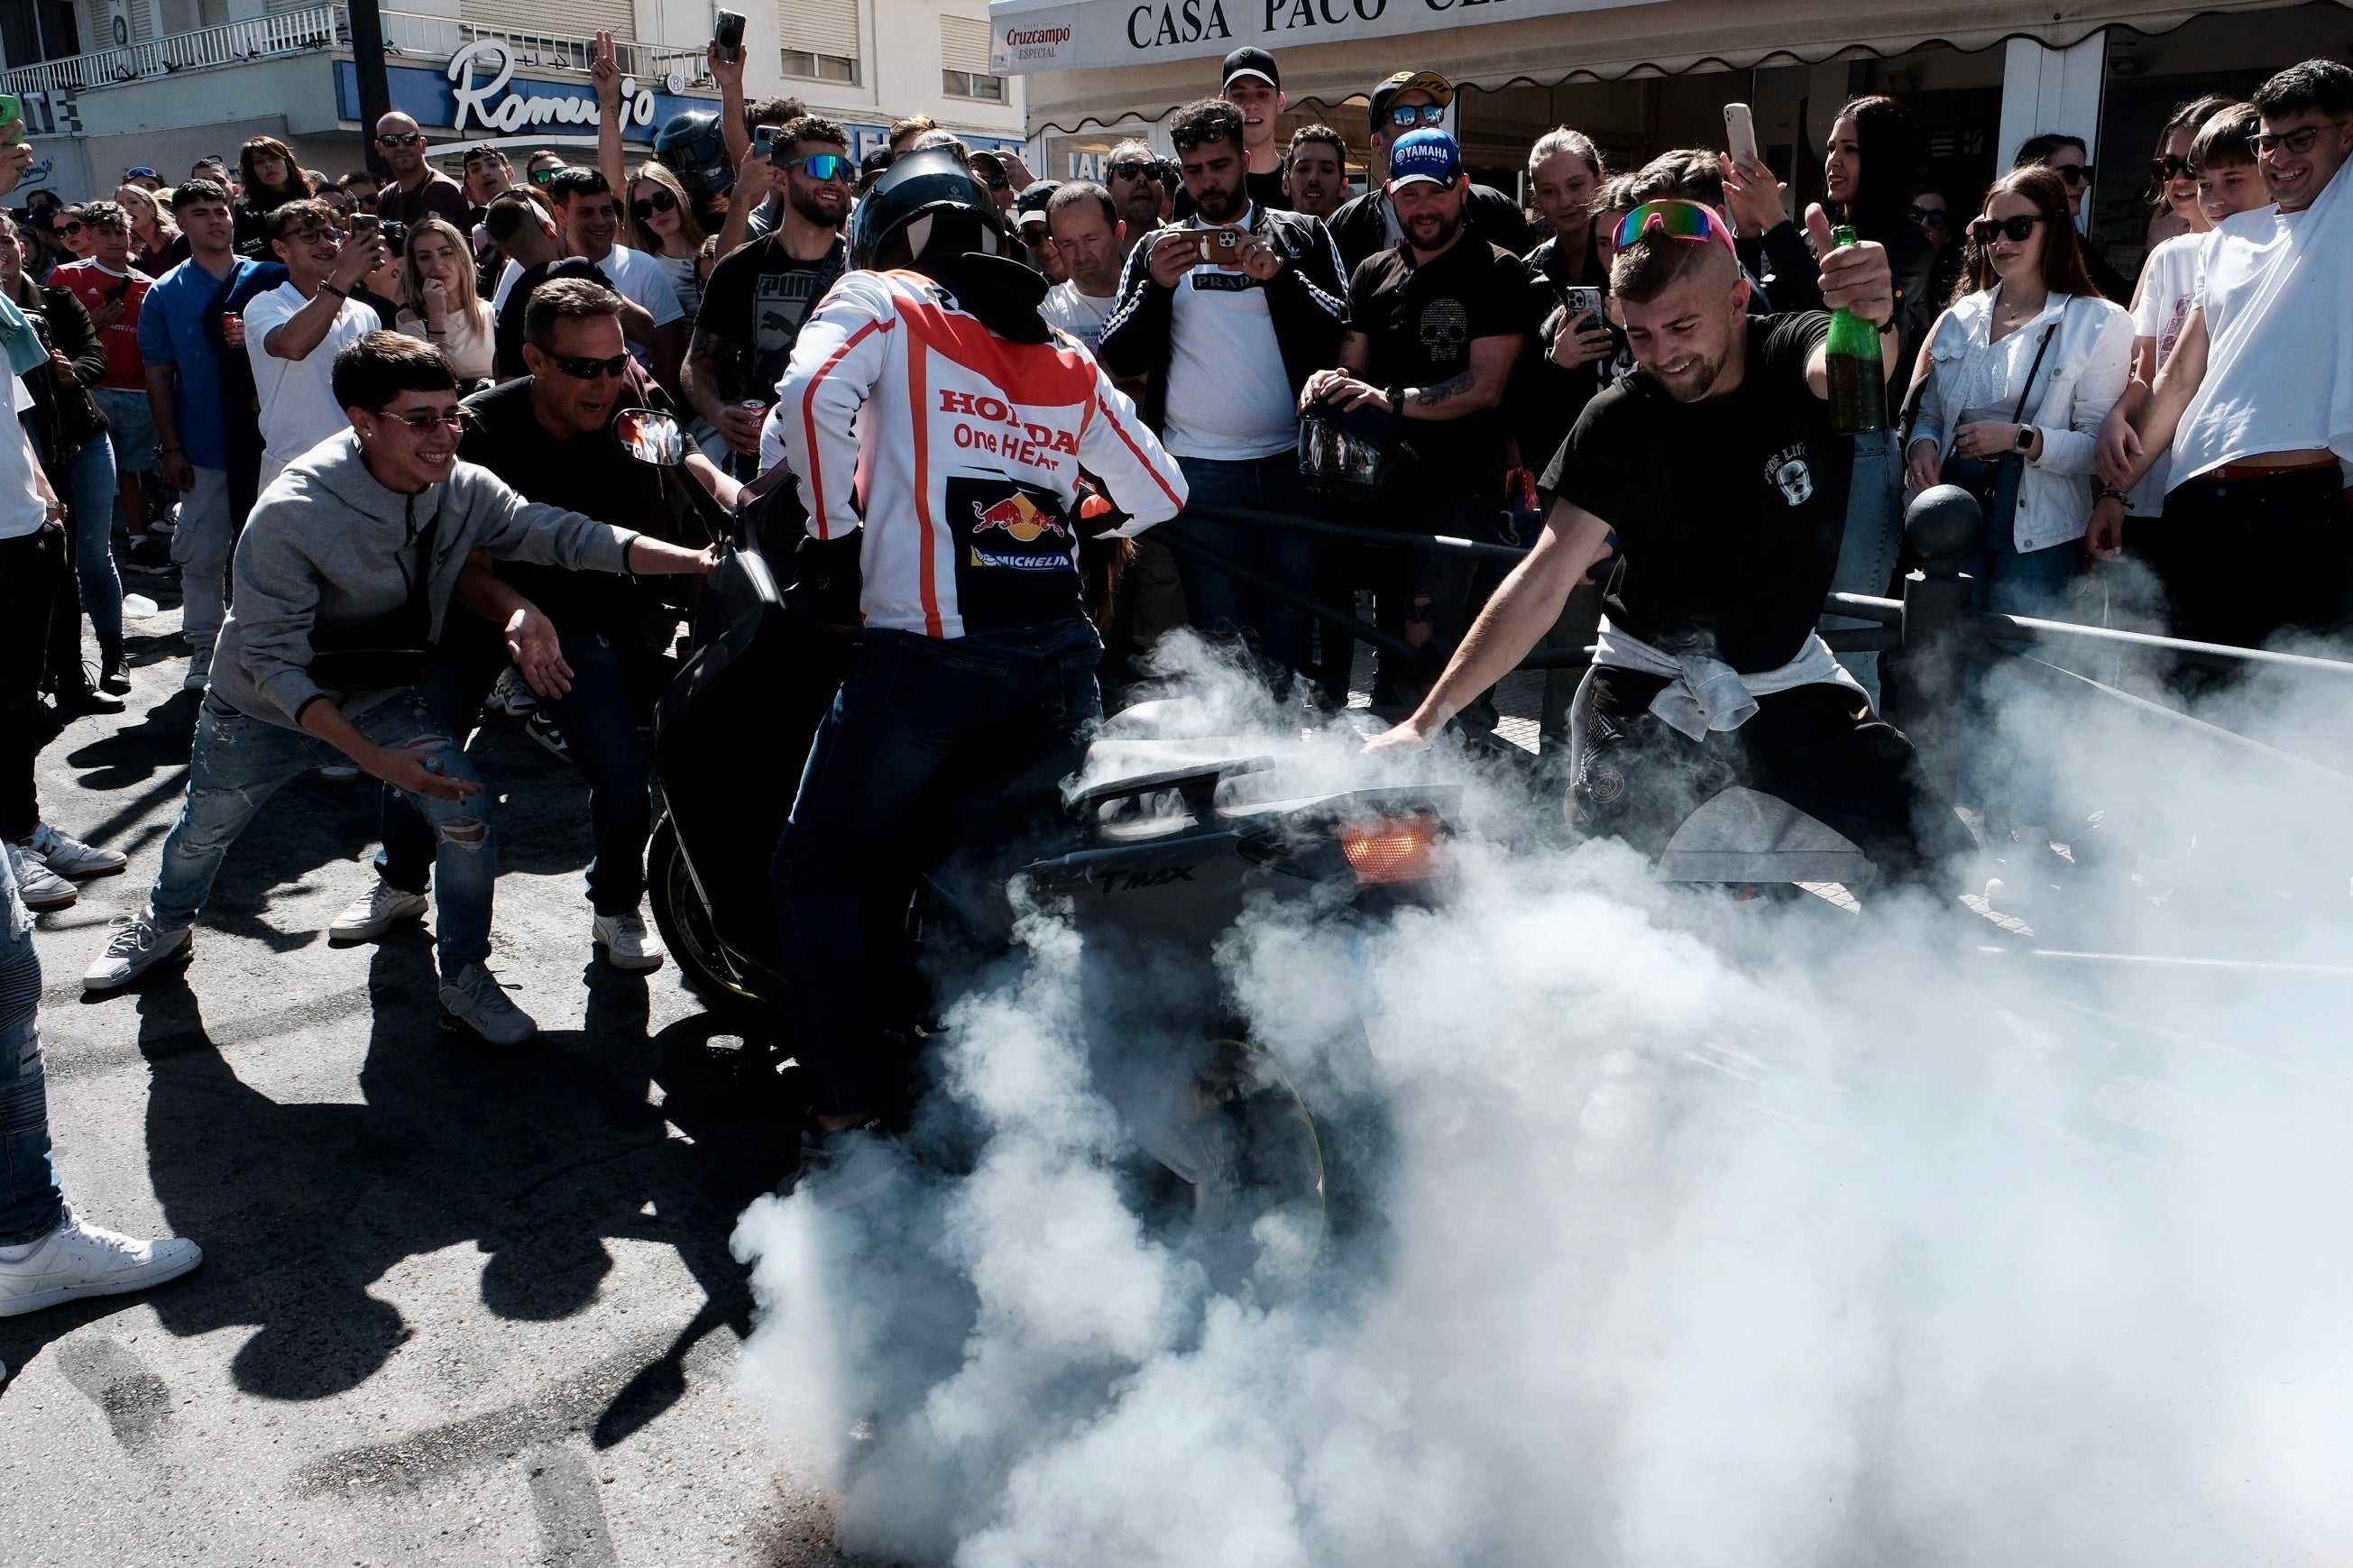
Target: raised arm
[(605, 71)]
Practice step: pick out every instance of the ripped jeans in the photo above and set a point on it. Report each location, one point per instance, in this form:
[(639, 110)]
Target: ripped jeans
[(240, 762)]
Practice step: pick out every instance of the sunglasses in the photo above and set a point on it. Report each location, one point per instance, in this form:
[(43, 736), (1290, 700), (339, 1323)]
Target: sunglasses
[(72, 225), (2297, 141), (837, 166), (1418, 114), (1931, 217), (2016, 227), (1676, 220), (426, 423), (2071, 173), (400, 139), (590, 369), (1133, 170), (644, 208), (540, 176), (2170, 168), (140, 173)]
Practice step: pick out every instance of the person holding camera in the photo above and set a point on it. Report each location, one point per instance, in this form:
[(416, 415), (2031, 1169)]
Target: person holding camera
[(1226, 319), (293, 333)]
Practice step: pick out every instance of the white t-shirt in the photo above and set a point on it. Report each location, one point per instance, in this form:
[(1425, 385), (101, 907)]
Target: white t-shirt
[(1080, 315), (639, 278), (1227, 395), (298, 395), (22, 510), (2169, 281)]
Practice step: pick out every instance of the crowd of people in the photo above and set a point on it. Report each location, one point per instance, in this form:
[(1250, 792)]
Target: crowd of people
[(372, 425)]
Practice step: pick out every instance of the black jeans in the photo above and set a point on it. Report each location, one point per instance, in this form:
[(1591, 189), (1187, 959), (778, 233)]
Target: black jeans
[(30, 568), (989, 706), (1455, 585), (2243, 559)]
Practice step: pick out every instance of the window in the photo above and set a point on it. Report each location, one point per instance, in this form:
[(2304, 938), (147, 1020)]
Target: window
[(821, 67), (35, 30), (964, 58), (820, 39), (973, 84)]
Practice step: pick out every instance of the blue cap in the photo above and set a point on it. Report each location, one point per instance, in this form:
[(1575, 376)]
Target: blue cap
[(1428, 155)]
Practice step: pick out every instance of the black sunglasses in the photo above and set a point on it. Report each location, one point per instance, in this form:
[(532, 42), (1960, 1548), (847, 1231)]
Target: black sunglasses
[(2169, 168), (590, 369), (1931, 217), (2017, 226), (72, 225), (1133, 170), (400, 139), (661, 201), (2072, 174)]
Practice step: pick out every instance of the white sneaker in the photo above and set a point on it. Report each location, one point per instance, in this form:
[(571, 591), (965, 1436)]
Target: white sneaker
[(138, 945), (513, 694), (80, 1258), (627, 943), (200, 669), (374, 913), (71, 858), (340, 772), (473, 1002), (40, 888)]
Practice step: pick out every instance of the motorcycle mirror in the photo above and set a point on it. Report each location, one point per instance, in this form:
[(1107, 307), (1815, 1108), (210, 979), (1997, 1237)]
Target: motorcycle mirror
[(650, 437)]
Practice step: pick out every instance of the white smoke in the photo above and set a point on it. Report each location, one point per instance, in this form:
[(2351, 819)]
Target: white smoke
[(1707, 1233)]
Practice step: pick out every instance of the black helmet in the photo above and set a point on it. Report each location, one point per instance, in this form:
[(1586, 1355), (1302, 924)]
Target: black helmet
[(692, 146), (930, 184)]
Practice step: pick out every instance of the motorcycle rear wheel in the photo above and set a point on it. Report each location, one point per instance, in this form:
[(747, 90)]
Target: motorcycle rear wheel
[(684, 921)]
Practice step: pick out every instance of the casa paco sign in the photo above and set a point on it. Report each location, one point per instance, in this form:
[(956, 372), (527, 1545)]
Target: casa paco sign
[(495, 107), (1028, 36)]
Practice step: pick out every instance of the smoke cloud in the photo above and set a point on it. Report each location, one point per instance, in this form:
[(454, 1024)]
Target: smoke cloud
[(1696, 1232)]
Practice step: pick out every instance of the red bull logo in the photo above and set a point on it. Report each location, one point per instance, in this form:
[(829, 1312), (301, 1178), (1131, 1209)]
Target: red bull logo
[(1021, 518)]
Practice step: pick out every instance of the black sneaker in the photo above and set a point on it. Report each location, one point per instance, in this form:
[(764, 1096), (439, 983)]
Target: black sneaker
[(542, 729), (150, 556)]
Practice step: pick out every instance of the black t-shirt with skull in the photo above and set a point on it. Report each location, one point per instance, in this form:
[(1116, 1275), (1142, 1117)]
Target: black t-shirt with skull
[(1727, 511), (1420, 322)]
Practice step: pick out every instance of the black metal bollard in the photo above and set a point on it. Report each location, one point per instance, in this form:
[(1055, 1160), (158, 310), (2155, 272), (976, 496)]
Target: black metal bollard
[(1943, 526)]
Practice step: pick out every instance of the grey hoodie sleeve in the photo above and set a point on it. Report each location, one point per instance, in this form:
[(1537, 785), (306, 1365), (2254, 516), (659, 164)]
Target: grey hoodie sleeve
[(276, 603), (513, 529)]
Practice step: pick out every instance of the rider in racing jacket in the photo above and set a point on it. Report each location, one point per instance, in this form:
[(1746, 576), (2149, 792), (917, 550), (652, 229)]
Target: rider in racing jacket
[(929, 407)]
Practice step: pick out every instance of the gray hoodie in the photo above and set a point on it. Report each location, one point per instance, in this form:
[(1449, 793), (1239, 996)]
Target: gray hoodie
[(326, 544)]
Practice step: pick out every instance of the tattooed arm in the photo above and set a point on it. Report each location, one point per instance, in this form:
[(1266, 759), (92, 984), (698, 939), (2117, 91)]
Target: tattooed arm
[(1481, 386)]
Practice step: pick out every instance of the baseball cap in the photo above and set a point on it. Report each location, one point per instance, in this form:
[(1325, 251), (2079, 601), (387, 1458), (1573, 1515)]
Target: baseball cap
[(1439, 89), (1428, 155), (1250, 62), (1033, 200)]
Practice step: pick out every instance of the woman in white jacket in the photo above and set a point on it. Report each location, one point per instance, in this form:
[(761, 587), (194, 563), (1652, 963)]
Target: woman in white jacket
[(2022, 370)]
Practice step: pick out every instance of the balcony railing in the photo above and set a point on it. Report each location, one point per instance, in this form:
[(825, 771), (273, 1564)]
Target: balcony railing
[(321, 27)]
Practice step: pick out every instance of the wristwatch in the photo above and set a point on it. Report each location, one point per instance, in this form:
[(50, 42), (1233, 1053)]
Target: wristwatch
[(2025, 442)]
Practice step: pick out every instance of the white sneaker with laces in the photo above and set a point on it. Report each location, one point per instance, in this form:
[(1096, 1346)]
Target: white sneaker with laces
[(80, 1258), (200, 669), (627, 943), (138, 945), (71, 858), (374, 912), (40, 888), (473, 1002)]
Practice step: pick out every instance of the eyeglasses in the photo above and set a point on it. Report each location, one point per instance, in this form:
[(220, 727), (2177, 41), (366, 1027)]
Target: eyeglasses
[(1134, 169), (661, 201), (1931, 217), (2016, 227), (314, 235), (837, 166), (2170, 168), (2296, 142), (590, 369), (1418, 114), (431, 420), (400, 138), (2071, 173), (1676, 220)]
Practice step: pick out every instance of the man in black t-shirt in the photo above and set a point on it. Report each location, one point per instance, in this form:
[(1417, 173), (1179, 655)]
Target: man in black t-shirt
[(1712, 481), (1435, 325)]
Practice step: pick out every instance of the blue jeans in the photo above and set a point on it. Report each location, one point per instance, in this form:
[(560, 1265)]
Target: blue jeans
[(911, 709), (240, 762), (1874, 529), (30, 1204), (2034, 584), (90, 477), (601, 732), (1214, 602)]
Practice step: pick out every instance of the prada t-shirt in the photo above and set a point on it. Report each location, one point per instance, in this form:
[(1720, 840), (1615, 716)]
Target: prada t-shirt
[(1727, 511)]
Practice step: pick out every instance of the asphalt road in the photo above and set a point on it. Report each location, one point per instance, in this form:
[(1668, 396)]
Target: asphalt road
[(455, 1306)]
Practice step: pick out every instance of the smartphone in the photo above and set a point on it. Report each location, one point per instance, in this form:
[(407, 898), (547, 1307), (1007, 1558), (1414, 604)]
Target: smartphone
[(764, 140), (12, 120), (394, 236), (363, 224), (1217, 247), (728, 32), (1740, 134), (1578, 300)]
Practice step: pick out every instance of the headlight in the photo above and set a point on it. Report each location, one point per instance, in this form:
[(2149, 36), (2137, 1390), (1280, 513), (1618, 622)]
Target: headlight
[(1391, 850)]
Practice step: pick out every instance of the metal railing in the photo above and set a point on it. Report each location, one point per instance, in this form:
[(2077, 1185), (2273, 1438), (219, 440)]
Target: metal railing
[(328, 27)]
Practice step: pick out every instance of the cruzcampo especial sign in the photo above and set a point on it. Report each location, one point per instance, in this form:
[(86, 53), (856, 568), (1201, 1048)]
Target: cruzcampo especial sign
[(1064, 34)]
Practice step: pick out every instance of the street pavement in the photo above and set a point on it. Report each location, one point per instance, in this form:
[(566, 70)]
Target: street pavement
[(457, 1306)]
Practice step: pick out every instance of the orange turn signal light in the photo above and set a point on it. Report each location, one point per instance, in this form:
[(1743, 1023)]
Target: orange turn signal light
[(1394, 850)]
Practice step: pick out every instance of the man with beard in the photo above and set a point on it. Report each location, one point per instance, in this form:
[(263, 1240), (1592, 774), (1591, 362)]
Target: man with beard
[(1407, 101), (1226, 318), (1713, 484), (1251, 82), (1315, 174), (1132, 174), (757, 298), (1435, 325)]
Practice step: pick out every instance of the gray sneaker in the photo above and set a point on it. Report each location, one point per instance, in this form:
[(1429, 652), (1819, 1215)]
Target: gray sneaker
[(474, 1002), (138, 945), (200, 669)]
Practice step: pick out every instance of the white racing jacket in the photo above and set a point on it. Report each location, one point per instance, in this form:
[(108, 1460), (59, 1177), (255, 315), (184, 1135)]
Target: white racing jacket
[(958, 452)]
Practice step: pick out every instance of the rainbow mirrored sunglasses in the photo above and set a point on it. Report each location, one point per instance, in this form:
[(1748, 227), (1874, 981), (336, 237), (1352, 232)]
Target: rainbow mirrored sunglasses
[(1676, 220)]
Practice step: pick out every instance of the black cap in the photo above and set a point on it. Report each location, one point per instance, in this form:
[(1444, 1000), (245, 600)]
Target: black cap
[(1250, 62), (1034, 197)]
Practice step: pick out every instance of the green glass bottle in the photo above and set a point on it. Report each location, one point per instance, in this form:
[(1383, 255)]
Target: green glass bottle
[(1858, 380)]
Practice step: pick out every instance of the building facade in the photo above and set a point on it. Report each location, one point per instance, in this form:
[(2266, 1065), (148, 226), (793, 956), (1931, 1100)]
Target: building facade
[(109, 84)]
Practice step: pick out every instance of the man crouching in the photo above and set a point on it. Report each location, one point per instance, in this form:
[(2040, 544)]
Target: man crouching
[(343, 574)]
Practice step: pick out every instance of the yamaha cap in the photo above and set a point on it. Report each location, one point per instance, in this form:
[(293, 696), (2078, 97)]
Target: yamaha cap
[(1428, 154), (1250, 62)]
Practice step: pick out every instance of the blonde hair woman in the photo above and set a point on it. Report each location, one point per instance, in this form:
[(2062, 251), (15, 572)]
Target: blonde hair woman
[(154, 238), (440, 302), (662, 223)]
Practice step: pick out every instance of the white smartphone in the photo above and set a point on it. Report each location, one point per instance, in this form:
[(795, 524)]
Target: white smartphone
[(1740, 134)]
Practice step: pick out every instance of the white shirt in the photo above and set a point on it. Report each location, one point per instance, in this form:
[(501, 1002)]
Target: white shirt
[(1080, 315), (2169, 281), (639, 279), (298, 395), (1228, 396), (22, 510)]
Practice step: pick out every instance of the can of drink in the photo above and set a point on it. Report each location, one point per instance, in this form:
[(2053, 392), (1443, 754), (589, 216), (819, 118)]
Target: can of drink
[(753, 406)]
